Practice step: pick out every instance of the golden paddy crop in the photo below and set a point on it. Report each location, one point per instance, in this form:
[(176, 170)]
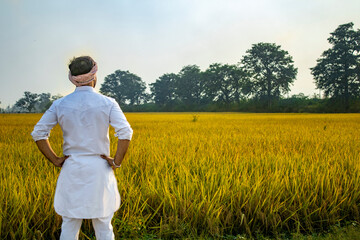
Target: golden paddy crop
[(212, 174)]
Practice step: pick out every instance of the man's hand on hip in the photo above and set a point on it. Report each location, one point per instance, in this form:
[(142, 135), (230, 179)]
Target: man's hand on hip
[(108, 159), (122, 147), (45, 148), (59, 161)]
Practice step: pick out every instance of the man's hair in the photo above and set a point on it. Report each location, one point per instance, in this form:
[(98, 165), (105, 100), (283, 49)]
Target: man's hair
[(81, 65)]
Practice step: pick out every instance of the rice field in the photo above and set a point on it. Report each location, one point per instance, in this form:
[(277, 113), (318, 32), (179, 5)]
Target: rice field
[(195, 175)]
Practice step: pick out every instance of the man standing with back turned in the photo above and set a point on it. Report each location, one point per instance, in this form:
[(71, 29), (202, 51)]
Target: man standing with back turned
[(86, 187)]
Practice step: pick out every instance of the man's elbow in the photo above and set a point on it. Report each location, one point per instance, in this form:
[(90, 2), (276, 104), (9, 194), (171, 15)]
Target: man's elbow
[(125, 134), (38, 135)]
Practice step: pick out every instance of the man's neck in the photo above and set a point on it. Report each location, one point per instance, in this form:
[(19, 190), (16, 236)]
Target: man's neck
[(90, 84)]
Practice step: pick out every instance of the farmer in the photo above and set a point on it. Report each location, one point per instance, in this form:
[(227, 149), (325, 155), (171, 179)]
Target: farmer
[(86, 187)]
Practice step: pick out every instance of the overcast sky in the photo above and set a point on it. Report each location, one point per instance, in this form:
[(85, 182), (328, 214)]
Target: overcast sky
[(153, 37)]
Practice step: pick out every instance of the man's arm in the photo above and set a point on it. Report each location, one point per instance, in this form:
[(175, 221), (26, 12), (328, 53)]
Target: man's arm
[(123, 132), (123, 145), (48, 152)]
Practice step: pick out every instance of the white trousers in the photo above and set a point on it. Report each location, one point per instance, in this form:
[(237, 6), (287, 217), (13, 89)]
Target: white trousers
[(70, 228)]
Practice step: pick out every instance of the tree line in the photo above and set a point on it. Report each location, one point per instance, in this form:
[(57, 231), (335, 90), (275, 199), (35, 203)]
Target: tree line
[(258, 83), (31, 102)]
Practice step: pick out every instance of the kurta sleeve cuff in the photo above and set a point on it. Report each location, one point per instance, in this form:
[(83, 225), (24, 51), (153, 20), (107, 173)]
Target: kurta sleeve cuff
[(118, 120), (38, 135), (124, 134)]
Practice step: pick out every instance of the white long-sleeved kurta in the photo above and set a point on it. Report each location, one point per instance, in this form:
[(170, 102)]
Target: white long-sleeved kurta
[(86, 187)]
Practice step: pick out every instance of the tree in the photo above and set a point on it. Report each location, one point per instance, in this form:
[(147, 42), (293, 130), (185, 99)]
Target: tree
[(56, 97), (125, 87), (224, 82), (190, 85), (42, 102), (163, 89), (32, 102), (271, 71), (27, 102), (337, 71), (51, 100)]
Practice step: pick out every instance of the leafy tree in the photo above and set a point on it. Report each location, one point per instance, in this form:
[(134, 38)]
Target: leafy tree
[(56, 97), (271, 71), (27, 102), (51, 100), (337, 71), (32, 102), (299, 96), (190, 85), (42, 101), (224, 82), (124, 87), (163, 89)]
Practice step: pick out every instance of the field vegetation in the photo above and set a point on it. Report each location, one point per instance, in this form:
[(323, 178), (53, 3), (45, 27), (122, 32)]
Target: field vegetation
[(193, 175)]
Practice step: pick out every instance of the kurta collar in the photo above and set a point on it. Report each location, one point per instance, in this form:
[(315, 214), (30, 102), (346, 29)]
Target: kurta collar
[(85, 88)]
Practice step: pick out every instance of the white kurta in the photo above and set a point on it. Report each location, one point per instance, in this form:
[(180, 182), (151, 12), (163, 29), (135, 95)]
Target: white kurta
[(86, 187)]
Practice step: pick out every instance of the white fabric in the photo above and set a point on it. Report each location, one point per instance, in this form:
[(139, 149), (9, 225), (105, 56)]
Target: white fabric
[(70, 228), (86, 187), (103, 228)]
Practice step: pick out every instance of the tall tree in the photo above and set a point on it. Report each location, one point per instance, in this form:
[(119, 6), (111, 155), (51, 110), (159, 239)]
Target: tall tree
[(51, 100), (271, 70), (163, 89), (43, 101), (125, 87), (27, 102), (337, 71), (190, 85), (225, 82)]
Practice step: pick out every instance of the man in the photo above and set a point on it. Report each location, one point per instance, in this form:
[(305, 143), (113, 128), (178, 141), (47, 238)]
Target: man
[(86, 187)]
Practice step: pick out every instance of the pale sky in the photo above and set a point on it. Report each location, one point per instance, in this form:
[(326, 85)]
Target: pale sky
[(153, 37)]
